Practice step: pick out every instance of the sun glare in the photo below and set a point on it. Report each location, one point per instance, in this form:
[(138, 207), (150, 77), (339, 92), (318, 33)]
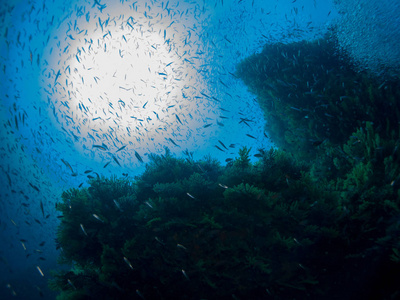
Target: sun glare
[(129, 80)]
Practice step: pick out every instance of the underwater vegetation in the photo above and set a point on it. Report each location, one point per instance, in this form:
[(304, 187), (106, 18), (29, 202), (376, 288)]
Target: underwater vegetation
[(318, 218), (311, 95)]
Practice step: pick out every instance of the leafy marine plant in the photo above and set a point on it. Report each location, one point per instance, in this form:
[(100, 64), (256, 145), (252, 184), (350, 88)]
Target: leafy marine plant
[(172, 239), (243, 161), (194, 234)]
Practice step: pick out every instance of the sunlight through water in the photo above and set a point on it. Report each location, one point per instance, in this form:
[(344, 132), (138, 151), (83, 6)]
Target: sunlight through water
[(128, 79)]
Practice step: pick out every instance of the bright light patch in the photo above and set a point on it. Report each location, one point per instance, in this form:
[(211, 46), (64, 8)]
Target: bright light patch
[(129, 81), (132, 82)]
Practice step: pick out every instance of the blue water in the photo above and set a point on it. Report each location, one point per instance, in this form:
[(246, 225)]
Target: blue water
[(83, 79)]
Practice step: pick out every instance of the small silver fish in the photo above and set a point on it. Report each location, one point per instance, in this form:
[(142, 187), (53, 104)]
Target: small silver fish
[(138, 157), (116, 160), (223, 186), (71, 284), (40, 270), (181, 246), (190, 196), (184, 274), (83, 229), (98, 218), (117, 205), (128, 262)]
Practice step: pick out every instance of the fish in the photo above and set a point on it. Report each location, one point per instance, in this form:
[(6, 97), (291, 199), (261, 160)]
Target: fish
[(179, 120), (234, 74), (244, 120), (97, 218), (116, 160), (41, 207), (34, 187), (40, 271), (67, 165), (122, 148), (101, 147), (172, 141), (251, 136), (190, 196), (219, 148), (184, 274), (128, 262), (223, 84), (57, 75), (71, 284), (181, 246), (23, 245), (117, 205), (107, 164), (205, 95), (138, 157), (122, 102), (223, 186), (83, 229), (297, 242), (222, 144)]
